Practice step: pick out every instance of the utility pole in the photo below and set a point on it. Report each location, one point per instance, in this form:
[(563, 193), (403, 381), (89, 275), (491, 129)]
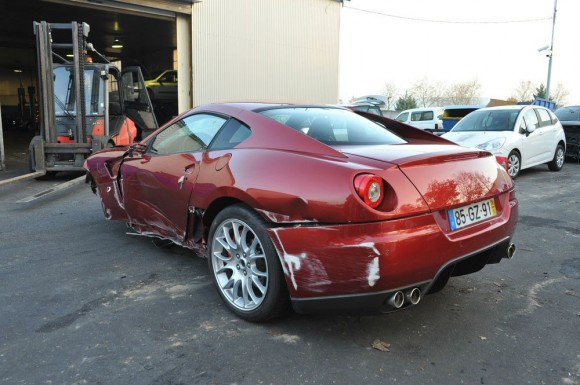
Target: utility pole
[(551, 52)]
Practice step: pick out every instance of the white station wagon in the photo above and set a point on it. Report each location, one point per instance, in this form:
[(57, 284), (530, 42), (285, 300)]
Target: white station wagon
[(519, 136)]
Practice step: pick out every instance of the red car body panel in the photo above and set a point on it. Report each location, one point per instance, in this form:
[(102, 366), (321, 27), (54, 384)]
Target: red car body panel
[(381, 256), (330, 243)]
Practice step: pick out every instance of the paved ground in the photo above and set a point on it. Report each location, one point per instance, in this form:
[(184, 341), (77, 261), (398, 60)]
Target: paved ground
[(82, 302)]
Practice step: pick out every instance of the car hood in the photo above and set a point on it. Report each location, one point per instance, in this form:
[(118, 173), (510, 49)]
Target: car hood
[(444, 175), (474, 138)]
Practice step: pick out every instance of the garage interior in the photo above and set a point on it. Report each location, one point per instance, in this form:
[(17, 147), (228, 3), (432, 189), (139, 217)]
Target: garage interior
[(148, 40)]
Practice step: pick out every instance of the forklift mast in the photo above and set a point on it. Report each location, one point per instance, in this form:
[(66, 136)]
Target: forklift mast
[(75, 110), (77, 152)]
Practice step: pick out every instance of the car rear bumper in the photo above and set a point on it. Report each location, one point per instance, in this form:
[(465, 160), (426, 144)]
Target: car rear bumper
[(383, 302), (359, 266)]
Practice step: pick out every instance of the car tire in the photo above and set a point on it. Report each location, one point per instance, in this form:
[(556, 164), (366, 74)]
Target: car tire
[(245, 266), (514, 164), (558, 162)]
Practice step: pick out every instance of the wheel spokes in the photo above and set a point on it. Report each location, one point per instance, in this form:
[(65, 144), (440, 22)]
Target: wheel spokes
[(239, 265)]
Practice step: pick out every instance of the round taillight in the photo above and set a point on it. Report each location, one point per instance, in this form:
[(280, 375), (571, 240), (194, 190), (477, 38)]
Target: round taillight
[(370, 189)]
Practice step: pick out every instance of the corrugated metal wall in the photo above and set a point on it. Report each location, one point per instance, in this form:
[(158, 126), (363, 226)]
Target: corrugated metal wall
[(278, 50)]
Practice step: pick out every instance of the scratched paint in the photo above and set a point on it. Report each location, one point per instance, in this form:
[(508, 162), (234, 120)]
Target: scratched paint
[(373, 271), (368, 245), (293, 262), (282, 218), (313, 273)]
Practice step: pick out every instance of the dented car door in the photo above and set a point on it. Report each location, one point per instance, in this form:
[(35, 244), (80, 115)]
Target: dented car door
[(156, 184)]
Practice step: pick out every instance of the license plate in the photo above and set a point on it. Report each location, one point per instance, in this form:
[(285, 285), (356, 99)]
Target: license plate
[(467, 215)]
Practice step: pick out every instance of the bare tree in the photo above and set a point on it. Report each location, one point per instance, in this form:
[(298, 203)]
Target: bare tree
[(559, 94), (524, 92), (427, 93), (464, 93), (391, 94)]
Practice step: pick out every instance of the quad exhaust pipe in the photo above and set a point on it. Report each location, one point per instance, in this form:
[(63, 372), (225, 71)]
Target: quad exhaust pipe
[(413, 296), (399, 298), (511, 251)]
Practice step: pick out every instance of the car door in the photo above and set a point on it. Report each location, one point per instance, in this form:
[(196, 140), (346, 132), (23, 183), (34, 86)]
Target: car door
[(156, 184), (549, 135), (532, 142), (136, 102)]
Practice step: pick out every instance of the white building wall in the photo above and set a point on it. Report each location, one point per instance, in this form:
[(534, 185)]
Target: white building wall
[(276, 50)]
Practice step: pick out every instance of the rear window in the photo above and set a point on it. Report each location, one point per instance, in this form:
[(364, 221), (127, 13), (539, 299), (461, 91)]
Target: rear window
[(333, 126), (568, 114)]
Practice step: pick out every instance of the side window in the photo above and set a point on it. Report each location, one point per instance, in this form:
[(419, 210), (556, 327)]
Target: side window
[(427, 115), (415, 116), (553, 117), (191, 134), (545, 119), (530, 117), (169, 77), (233, 133)]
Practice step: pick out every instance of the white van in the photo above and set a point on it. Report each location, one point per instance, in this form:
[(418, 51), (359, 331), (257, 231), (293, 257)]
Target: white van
[(428, 118)]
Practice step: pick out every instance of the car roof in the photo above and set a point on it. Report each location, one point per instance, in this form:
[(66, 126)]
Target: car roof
[(422, 109), (508, 107), (572, 107), (257, 106)]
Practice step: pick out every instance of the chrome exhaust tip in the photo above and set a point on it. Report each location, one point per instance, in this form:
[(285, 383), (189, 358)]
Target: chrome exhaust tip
[(511, 251), (413, 296), (397, 300)]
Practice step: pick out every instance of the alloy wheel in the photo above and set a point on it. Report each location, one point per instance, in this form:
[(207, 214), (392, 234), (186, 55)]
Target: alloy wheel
[(513, 164), (239, 265), (560, 157)]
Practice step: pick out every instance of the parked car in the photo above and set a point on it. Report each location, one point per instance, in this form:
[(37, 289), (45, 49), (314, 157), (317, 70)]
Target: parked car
[(163, 87), (370, 104), (321, 207), (454, 113), (425, 118), (366, 107), (569, 116), (522, 136)]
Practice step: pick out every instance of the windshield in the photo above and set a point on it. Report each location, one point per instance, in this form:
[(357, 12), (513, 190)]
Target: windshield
[(568, 114), (402, 117), (333, 126), (64, 91), (488, 120)]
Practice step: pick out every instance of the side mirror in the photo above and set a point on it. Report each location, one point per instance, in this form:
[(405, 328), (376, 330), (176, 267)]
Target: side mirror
[(138, 148), (530, 128)]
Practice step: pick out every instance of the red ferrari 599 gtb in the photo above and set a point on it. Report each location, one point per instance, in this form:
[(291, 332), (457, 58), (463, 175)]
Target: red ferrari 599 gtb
[(318, 207)]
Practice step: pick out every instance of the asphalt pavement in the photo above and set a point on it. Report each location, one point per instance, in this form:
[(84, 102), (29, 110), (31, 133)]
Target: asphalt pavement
[(84, 302)]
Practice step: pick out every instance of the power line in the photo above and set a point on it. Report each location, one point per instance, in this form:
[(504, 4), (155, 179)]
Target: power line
[(448, 21)]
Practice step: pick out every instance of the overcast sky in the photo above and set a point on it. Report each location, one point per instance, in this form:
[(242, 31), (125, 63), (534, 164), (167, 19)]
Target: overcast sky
[(456, 41)]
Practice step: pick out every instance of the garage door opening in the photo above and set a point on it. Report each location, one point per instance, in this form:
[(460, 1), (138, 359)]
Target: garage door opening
[(123, 36)]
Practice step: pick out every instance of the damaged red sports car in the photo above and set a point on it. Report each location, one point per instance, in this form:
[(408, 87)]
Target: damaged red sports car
[(317, 207)]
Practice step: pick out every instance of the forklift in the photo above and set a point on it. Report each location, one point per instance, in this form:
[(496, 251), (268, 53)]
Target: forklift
[(86, 104)]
